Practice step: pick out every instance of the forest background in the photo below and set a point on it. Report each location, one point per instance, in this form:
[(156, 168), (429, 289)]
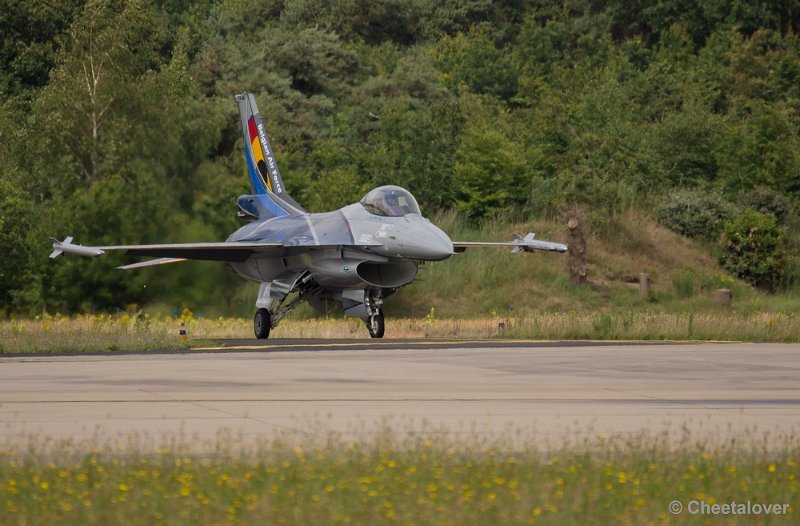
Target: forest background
[(118, 125)]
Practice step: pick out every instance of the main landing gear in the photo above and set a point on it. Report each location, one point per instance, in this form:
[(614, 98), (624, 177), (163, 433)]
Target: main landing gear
[(362, 304), (267, 318), (262, 324)]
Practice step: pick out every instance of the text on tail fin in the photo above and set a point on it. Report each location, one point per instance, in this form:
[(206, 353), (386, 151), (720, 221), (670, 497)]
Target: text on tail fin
[(263, 156), (258, 154)]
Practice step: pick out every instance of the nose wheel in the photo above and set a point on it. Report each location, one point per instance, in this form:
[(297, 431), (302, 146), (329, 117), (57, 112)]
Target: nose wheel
[(375, 324), (262, 324)]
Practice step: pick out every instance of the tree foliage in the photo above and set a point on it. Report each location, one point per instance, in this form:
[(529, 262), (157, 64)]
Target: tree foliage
[(697, 213), (753, 249), (117, 122)]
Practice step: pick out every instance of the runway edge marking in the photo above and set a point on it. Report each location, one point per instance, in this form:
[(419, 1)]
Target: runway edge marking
[(445, 343), (366, 343)]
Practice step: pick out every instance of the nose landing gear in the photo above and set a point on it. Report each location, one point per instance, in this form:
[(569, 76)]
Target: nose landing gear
[(375, 324), (374, 321)]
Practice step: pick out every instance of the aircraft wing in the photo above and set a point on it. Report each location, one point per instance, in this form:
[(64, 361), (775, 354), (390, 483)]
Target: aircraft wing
[(519, 244), (176, 252), (169, 252)]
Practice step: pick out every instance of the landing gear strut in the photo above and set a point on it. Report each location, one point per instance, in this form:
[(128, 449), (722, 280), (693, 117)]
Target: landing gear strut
[(267, 319)]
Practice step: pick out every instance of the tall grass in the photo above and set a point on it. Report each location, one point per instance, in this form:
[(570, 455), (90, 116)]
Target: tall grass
[(421, 479), (142, 332)]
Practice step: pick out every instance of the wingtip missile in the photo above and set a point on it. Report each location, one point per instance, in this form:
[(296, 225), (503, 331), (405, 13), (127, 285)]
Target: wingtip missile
[(67, 247), (530, 244)]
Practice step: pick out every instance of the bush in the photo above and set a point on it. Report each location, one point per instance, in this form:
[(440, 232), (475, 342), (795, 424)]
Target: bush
[(695, 213), (767, 201), (753, 249)]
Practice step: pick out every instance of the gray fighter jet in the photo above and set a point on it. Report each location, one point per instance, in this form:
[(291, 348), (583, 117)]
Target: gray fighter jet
[(357, 255)]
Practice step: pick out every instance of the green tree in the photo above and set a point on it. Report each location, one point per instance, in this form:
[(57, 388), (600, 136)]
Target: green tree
[(683, 146), (404, 22), (586, 145), (489, 169), (19, 220), (760, 148), (473, 60), (753, 249), (31, 39), (414, 145), (107, 89), (121, 136), (400, 126), (15, 262)]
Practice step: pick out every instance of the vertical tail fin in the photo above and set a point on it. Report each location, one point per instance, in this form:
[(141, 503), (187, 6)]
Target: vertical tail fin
[(262, 167)]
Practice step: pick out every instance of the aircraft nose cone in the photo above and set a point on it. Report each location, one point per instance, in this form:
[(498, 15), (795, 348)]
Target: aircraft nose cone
[(443, 245), (433, 244)]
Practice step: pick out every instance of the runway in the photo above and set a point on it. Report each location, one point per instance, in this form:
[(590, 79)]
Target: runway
[(546, 392)]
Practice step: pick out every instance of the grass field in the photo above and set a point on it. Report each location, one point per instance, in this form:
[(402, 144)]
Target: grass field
[(142, 332), (418, 480)]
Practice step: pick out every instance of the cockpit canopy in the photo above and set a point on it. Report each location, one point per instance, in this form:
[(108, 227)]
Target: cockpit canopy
[(390, 201)]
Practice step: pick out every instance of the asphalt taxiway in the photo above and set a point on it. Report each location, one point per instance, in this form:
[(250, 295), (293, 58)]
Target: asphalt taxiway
[(544, 391)]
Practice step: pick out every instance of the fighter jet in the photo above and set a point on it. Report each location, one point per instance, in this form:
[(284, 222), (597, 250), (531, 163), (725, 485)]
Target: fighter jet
[(357, 255)]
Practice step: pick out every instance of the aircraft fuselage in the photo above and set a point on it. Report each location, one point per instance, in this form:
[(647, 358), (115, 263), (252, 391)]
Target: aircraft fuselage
[(370, 250)]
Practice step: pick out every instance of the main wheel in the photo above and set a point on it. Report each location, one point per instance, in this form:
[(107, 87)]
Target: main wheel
[(375, 325), (261, 324)]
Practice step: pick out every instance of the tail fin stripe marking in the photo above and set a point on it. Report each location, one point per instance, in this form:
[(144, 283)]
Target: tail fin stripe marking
[(265, 199), (251, 128), (252, 172), (258, 153)]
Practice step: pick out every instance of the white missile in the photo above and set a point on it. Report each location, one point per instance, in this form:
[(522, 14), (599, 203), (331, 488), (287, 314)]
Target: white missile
[(67, 247), (529, 244)]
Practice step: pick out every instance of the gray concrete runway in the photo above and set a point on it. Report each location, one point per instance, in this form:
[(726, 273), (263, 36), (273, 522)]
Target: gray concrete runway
[(548, 392)]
